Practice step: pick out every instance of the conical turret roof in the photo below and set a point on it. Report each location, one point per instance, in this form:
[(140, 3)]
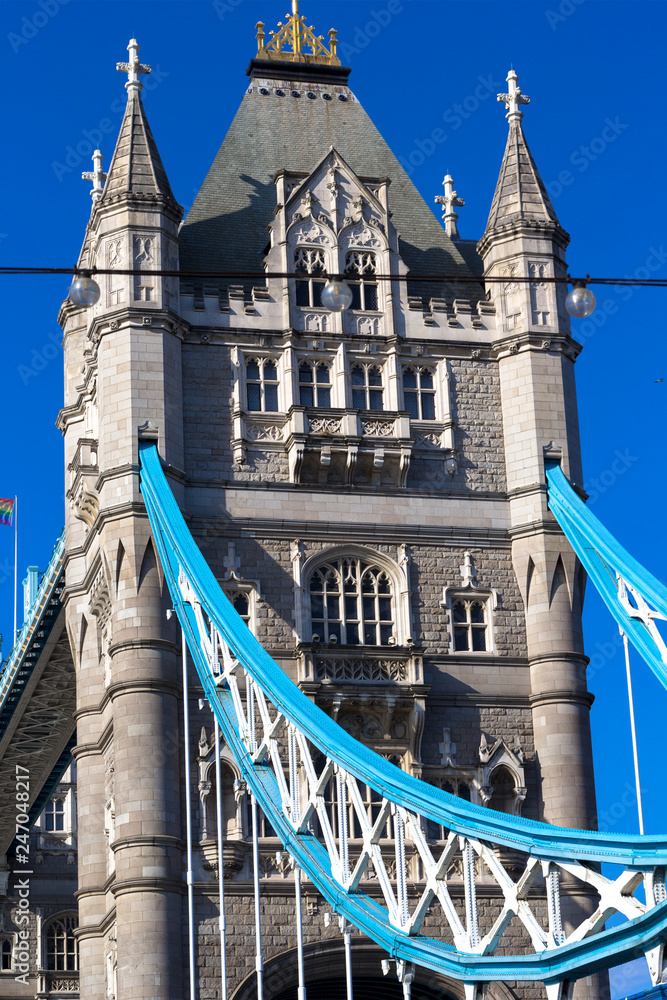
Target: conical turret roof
[(136, 168), (520, 193)]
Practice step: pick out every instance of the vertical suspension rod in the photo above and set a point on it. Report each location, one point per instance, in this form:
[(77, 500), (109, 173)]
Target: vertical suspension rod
[(294, 802), (299, 934), (259, 965), (218, 813), (347, 938), (188, 818), (221, 871), (633, 730), (252, 740)]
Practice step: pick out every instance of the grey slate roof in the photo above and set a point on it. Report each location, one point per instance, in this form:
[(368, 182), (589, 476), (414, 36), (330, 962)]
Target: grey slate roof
[(520, 193), (136, 167), (226, 228)]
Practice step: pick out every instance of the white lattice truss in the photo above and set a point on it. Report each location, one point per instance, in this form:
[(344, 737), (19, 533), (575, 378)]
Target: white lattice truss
[(318, 795)]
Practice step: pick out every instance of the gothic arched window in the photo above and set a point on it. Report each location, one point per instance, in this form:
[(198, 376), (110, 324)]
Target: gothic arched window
[(419, 392), (311, 263), (61, 946), (367, 390), (241, 601), (455, 786), (262, 384), (469, 618), (351, 602), (362, 268), (314, 384)]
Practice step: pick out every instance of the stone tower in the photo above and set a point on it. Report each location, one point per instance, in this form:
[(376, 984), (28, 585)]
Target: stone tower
[(368, 487)]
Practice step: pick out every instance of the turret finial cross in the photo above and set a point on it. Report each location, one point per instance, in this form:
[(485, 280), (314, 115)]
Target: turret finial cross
[(449, 201), (97, 176), (134, 68), (514, 98)]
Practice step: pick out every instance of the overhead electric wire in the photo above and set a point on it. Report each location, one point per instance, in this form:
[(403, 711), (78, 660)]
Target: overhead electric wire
[(263, 275)]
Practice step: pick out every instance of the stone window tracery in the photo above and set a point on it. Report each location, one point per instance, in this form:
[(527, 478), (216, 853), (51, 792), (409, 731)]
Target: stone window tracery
[(351, 602), (241, 603), (419, 392), (314, 384), (262, 385), (372, 802), (364, 288), (367, 387), (61, 946), (311, 263), (461, 787), (242, 598), (470, 621)]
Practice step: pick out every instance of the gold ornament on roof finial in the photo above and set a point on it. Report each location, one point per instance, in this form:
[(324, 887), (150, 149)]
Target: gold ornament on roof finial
[(288, 43)]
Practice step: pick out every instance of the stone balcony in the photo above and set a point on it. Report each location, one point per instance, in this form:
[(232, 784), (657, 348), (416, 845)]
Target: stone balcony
[(376, 693)]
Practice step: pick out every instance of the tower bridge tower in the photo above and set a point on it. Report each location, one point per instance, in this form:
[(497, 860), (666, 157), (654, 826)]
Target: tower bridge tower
[(367, 486)]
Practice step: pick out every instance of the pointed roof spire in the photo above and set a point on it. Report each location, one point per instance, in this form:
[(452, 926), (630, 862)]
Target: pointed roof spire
[(520, 193), (136, 168), (449, 201)]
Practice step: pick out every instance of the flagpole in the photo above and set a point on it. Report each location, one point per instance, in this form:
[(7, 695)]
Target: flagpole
[(16, 552)]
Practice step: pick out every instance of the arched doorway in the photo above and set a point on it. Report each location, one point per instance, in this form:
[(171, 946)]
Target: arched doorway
[(363, 988), (325, 977)]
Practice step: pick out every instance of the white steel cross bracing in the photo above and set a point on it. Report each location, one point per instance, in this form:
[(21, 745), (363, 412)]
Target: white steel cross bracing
[(385, 841)]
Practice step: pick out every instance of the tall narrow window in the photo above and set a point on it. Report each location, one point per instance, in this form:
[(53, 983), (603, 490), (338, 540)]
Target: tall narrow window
[(61, 948), (419, 393), (262, 384), (314, 384), (264, 828), (367, 391), (362, 268), (5, 953), (435, 831), (54, 815), (310, 263), (469, 618), (372, 802), (351, 603), (240, 600)]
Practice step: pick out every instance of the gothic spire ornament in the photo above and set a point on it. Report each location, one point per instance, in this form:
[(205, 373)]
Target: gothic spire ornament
[(293, 37), (514, 98), (449, 201), (134, 68), (97, 176)]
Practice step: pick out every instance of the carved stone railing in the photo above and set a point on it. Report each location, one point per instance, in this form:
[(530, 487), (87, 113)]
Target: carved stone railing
[(358, 666), (58, 984)]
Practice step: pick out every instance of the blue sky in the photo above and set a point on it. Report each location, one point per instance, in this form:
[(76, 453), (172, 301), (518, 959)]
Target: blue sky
[(427, 73)]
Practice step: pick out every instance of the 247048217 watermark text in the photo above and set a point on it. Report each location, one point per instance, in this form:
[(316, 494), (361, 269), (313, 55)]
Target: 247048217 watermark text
[(22, 873)]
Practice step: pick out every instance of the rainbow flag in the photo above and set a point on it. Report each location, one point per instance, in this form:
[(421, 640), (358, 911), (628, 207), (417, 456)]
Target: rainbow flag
[(6, 510)]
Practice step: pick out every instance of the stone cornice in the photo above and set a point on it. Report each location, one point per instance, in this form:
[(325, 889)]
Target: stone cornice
[(148, 840), (559, 697), (153, 883), (358, 531), (536, 340), (523, 228)]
